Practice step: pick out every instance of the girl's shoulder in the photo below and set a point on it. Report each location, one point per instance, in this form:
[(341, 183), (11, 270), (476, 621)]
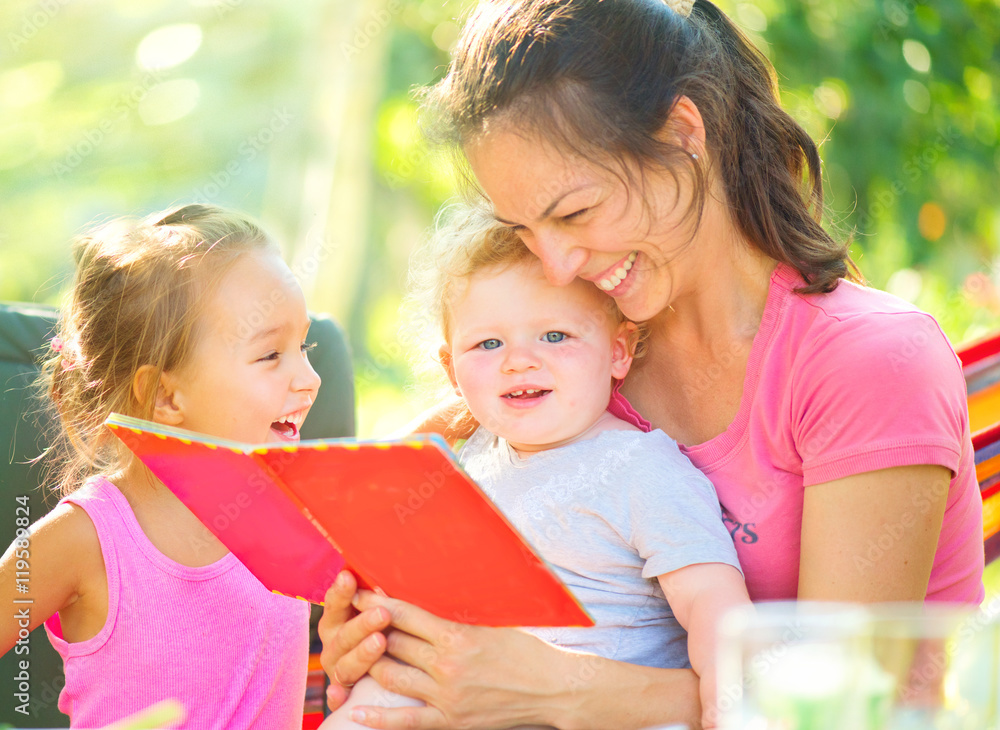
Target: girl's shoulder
[(66, 541), (65, 558), (67, 531)]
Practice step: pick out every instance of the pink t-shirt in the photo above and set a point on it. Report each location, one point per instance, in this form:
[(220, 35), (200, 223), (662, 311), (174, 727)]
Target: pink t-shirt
[(840, 384), (213, 637)]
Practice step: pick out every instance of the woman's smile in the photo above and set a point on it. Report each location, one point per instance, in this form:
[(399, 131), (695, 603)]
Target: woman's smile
[(616, 276)]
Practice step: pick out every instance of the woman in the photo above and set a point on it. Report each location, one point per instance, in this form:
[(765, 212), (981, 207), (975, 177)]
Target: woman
[(642, 148)]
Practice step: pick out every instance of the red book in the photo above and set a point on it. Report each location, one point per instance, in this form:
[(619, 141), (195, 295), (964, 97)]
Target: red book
[(400, 514)]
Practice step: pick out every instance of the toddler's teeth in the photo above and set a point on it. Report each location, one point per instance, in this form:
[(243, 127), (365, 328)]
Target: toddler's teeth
[(631, 257), (627, 265), (606, 285), (615, 281), (621, 272)]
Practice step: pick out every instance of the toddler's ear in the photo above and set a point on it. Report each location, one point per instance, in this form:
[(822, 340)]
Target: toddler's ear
[(623, 349), (165, 408), (444, 357)]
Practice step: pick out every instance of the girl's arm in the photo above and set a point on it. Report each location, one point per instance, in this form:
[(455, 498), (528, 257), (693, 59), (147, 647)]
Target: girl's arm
[(471, 676), (56, 558), (699, 595), (841, 519)]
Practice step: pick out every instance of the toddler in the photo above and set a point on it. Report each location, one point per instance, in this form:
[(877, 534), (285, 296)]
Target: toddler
[(190, 319), (625, 520)]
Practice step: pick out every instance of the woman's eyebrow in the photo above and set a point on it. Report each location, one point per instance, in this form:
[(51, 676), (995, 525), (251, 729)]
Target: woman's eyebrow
[(548, 211)]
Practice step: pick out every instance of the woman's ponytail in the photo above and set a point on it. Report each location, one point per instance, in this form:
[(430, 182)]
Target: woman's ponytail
[(771, 167)]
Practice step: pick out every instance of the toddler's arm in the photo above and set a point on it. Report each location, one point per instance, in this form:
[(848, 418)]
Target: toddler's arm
[(699, 595), (47, 567)]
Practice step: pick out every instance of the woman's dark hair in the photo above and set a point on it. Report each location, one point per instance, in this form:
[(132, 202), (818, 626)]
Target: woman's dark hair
[(600, 77)]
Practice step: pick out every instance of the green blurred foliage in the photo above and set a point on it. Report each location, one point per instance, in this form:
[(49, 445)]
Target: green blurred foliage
[(126, 106), (902, 93)]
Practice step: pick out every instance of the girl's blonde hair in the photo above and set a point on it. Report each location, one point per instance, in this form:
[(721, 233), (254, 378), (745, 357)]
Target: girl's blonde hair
[(137, 297), (466, 240)]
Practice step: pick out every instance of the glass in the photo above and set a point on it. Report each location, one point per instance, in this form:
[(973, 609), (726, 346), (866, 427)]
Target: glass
[(934, 667), (794, 666)]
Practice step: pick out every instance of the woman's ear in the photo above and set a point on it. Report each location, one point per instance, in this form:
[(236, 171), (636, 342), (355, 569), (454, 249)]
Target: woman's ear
[(166, 409), (444, 357), (685, 127), (622, 349)]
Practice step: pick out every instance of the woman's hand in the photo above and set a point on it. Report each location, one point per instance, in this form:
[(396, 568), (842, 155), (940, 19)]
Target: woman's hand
[(352, 642), (476, 677), (469, 676)]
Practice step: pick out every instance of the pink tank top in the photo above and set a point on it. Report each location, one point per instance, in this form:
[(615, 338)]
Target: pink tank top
[(212, 637)]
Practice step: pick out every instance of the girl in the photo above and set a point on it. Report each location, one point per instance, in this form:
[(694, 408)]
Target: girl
[(591, 492), (190, 319), (606, 132)]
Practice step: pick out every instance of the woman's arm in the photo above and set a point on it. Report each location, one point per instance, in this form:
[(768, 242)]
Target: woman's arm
[(497, 678), (872, 537), (451, 419), (699, 595)]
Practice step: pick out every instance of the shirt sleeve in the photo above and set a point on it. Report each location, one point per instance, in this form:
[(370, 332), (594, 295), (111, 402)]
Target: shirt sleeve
[(675, 517), (876, 392)]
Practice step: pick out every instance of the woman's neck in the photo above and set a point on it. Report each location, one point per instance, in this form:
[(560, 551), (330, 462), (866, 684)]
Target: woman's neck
[(725, 283)]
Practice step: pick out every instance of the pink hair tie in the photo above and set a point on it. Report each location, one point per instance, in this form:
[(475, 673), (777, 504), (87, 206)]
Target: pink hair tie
[(57, 346)]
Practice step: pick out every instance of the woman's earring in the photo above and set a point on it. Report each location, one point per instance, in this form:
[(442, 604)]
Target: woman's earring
[(694, 155)]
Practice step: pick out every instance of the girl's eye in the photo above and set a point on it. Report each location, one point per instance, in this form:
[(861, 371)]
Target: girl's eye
[(490, 344), (307, 346), (576, 214), (554, 336), (269, 356)]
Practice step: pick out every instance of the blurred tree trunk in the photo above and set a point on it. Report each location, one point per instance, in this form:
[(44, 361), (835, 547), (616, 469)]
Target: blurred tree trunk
[(332, 207)]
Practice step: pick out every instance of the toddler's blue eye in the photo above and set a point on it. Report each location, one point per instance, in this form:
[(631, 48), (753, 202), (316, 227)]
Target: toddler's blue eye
[(555, 336), (491, 344)]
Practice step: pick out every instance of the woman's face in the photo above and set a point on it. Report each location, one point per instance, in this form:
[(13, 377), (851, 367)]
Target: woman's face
[(584, 221)]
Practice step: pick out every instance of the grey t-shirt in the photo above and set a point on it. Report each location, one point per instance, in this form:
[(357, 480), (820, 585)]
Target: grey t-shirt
[(610, 514)]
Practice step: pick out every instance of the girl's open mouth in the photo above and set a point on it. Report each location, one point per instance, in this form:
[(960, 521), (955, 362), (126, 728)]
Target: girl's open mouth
[(285, 431)]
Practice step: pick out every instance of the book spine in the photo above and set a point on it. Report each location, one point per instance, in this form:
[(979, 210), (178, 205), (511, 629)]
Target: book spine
[(304, 510)]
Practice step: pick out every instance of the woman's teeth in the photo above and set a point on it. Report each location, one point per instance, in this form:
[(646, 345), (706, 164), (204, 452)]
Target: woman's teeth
[(620, 273)]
